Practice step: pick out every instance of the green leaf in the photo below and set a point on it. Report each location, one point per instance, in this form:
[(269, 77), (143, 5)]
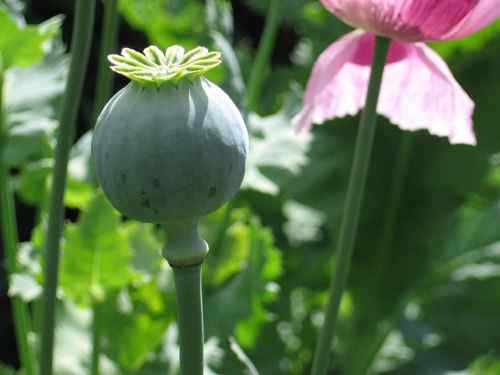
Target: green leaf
[(166, 22), (32, 185), (239, 303), (136, 322), (30, 104), (23, 45), (277, 151), (486, 365), (29, 141), (146, 248), (96, 254)]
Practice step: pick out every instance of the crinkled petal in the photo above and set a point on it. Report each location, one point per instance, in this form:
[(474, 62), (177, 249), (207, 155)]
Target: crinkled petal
[(406, 20), (418, 90), (319, 102), (484, 13)]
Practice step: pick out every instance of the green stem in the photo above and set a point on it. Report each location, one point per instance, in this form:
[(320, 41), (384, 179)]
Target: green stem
[(265, 49), (190, 318), (103, 90), (20, 312), (366, 355), (185, 252), (80, 47), (104, 81), (355, 190), (96, 337)]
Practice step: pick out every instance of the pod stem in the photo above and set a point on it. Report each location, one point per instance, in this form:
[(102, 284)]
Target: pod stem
[(355, 191), (20, 312), (80, 48), (108, 42), (190, 318), (185, 252), (185, 247), (265, 49)]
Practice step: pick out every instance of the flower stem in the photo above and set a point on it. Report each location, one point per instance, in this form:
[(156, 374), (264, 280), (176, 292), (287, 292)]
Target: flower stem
[(20, 312), (96, 337), (355, 191), (80, 48), (379, 323), (190, 318), (108, 41), (265, 49)]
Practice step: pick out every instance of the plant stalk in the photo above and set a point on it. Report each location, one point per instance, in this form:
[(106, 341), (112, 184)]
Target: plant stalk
[(355, 191), (104, 83), (190, 318), (365, 355), (80, 48), (265, 49), (20, 312)]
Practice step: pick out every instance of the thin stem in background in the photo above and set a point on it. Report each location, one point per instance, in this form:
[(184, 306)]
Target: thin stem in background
[(266, 45), (20, 312), (104, 86), (104, 83), (80, 48), (190, 318), (355, 191)]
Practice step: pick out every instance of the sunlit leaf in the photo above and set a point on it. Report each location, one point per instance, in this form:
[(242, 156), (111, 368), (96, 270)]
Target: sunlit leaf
[(136, 322), (96, 254), (276, 151), (23, 45), (239, 304)]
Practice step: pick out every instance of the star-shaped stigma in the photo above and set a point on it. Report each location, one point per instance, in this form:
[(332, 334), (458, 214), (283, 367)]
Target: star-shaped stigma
[(155, 67)]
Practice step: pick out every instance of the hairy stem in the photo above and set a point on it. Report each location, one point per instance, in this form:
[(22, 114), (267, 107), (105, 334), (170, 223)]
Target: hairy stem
[(20, 311), (190, 318), (80, 47), (265, 49), (355, 191)]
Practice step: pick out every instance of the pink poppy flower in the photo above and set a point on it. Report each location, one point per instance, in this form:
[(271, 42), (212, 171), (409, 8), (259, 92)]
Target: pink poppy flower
[(418, 90)]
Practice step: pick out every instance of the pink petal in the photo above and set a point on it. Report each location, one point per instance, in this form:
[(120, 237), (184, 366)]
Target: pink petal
[(406, 20), (484, 13), (418, 90)]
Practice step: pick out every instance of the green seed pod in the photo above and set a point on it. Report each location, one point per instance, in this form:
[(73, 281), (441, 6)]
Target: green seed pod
[(171, 146)]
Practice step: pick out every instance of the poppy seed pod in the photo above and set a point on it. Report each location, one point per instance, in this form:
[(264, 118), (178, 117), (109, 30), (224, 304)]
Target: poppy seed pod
[(171, 145)]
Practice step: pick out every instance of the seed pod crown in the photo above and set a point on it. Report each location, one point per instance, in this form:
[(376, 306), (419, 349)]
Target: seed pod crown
[(153, 66)]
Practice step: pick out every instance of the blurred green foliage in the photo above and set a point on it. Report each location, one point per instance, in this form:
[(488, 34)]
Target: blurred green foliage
[(424, 289)]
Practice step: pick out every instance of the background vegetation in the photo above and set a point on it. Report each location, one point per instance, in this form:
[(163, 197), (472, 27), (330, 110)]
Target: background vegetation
[(423, 296)]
